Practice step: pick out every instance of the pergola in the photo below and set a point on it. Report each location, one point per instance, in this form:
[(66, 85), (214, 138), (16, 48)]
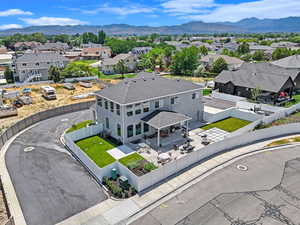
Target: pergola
[(162, 119)]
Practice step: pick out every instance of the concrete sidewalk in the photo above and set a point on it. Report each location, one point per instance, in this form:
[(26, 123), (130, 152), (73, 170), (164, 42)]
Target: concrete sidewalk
[(112, 212)]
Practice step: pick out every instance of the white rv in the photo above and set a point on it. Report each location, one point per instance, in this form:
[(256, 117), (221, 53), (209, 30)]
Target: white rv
[(48, 92)]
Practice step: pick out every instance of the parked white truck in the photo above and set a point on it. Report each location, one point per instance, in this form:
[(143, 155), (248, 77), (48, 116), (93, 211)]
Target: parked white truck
[(48, 92)]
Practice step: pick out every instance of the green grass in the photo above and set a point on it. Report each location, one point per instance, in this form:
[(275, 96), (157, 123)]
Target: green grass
[(297, 100), (96, 148), (131, 159), (206, 91), (79, 126), (116, 76), (230, 124)]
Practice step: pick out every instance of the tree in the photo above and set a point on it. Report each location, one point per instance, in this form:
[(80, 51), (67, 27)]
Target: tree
[(185, 61), (203, 50), (54, 74), (259, 55), (243, 48), (9, 75), (219, 65), (280, 53), (121, 68), (255, 92), (101, 37), (89, 37)]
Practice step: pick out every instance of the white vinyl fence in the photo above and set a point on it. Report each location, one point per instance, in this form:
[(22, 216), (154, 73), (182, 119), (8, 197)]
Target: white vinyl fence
[(227, 97), (248, 106)]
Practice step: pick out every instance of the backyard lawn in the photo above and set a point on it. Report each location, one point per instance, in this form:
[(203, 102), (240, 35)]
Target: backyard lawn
[(96, 148), (79, 126), (116, 76), (230, 124), (297, 100), (131, 159)]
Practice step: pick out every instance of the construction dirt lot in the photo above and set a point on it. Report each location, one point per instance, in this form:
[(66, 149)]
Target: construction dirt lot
[(64, 97)]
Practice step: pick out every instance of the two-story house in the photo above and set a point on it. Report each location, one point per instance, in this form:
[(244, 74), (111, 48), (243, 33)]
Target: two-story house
[(35, 66), (108, 66), (147, 105), (96, 53)]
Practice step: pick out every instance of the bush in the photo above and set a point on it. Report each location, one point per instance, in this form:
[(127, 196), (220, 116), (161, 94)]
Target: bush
[(133, 165)]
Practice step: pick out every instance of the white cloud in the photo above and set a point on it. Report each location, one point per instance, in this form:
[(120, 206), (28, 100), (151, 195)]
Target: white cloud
[(181, 7), (213, 12), (42, 21), (122, 11), (14, 12), (10, 26)]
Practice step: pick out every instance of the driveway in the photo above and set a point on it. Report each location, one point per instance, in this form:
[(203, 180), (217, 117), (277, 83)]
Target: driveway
[(266, 193), (50, 184)]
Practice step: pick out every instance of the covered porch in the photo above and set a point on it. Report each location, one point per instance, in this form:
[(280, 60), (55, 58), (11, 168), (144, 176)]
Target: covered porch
[(167, 128)]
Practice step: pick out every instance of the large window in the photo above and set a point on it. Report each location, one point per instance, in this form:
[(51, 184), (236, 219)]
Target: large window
[(156, 104), (146, 127), (172, 100), (146, 107), (193, 95), (138, 129), (130, 113), (107, 123), (111, 106), (138, 111), (130, 131), (118, 109), (99, 101), (106, 104), (119, 133)]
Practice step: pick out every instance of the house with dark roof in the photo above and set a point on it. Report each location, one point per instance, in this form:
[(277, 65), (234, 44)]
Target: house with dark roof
[(53, 47), (35, 66), (292, 62), (269, 78), (147, 106)]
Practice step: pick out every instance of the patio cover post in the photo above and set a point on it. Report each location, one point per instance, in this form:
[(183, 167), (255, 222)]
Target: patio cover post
[(158, 137)]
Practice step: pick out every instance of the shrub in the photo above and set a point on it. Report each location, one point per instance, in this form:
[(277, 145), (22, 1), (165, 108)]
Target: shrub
[(133, 165)]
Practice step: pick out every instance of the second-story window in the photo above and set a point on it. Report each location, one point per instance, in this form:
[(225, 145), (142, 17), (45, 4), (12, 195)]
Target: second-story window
[(172, 100), (156, 104), (138, 111), (146, 107), (106, 104), (118, 109), (99, 101), (193, 95), (111, 106), (130, 113)]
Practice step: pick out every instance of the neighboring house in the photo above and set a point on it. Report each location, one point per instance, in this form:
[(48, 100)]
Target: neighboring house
[(266, 49), (288, 62), (35, 66), (21, 46), (231, 46), (3, 49), (284, 44), (141, 50), (6, 59), (108, 65), (233, 62), (91, 45), (270, 79), (147, 104), (96, 53), (72, 55), (53, 47)]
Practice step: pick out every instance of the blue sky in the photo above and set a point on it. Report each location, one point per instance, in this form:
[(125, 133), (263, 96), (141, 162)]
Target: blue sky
[(22, 13)]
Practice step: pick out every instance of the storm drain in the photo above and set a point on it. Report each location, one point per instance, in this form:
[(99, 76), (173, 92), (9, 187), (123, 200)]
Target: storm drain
[(242, 167), (28, 149)]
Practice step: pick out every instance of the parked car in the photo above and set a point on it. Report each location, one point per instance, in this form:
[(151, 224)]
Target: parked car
[(26, 91), (85, 84), (69, 86)]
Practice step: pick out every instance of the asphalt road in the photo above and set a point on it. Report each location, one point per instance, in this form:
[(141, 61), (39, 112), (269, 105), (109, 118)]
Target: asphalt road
[(268, 193), (50, 184)]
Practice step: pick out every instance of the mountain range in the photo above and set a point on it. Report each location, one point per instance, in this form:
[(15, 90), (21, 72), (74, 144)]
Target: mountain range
[(249, 25)]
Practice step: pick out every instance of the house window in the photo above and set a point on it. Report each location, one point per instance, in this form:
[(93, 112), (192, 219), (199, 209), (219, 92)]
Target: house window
[(138, 111), (119, 133), (99, 101), (146, 107), (107, 123), (146, 128), (111, 106), (130, 113), (172, 100), (193, 95), (118, 109), (106, 104), (156, 104), (130, 131), (37, 64), (24, 64), (138, 129)]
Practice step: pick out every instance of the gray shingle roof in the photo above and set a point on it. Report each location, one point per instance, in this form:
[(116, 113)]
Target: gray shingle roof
[(41, 57), (263, 75), (161, 119), (229, 60), (144, 88), (289, 62)]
